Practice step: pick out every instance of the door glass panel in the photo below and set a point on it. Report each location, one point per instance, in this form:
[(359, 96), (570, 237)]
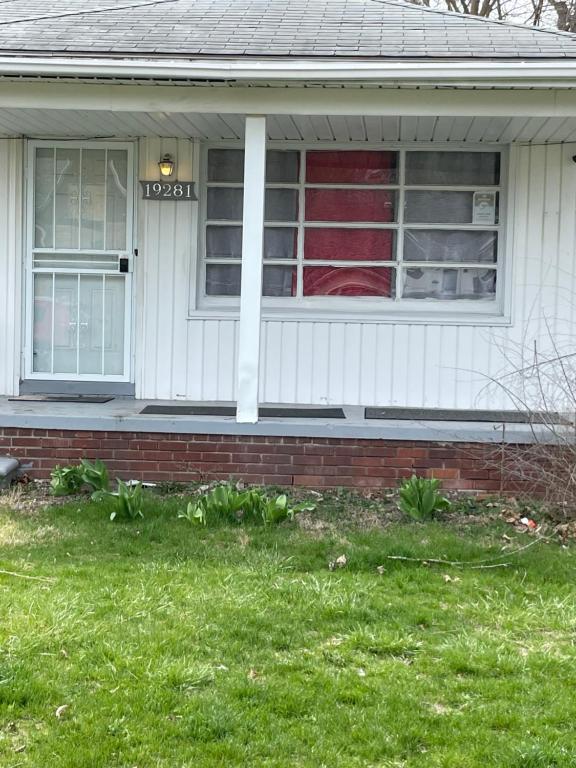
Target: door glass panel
[(44, 198), (65, 323), (42, 339), (67, 198), (114, 321), (90, 333), (116, 199), (92, 200)]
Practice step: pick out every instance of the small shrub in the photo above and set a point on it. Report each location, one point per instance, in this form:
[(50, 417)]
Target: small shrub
[(420, 498), (195, 513), (95, 475), (226, 502), (66, 481), (128, 502)]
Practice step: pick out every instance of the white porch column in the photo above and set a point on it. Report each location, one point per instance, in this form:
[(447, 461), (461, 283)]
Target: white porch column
[(251, 285)]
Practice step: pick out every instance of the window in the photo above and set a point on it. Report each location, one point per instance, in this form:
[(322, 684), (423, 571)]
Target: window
[(393, 225)]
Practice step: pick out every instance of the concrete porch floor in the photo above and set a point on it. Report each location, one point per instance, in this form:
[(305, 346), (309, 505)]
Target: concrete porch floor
[(124, 415)]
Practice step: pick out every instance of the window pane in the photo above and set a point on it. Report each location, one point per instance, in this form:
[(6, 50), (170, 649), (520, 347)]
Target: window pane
[(116, 199), (350, 205), (351, 167), (225, 203), (90, 333), (427, 207), (281, 205), (44, 198), (114, 312), (440, 283), (42, 342), (453, 168), (92, 203), (279, 281), (282, 166), (67, 198), (348, 281), (347, 244), (223, 242), (226, 165), (456, 245), (280, 242), (223, 279), (65, 323)]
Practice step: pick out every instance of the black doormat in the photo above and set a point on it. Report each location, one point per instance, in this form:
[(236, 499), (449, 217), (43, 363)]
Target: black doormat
[(230, 410), (445, 414), (302, 413), (189, 410), (63, 398)]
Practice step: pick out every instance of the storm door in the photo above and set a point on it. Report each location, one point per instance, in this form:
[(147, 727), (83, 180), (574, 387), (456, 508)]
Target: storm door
[(80, 249)]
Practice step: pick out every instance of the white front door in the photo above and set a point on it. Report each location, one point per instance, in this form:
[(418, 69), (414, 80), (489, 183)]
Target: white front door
[(80, 211)]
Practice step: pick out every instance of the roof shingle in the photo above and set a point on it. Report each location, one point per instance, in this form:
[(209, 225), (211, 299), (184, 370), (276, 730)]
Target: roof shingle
[(266, 28)]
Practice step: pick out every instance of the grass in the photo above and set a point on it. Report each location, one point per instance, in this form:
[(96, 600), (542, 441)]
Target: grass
[(174, 646)]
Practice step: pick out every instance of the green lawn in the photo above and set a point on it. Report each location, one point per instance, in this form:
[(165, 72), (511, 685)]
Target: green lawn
[(174, 646)]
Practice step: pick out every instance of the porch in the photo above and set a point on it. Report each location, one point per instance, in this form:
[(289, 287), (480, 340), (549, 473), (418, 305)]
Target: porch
[(360, 353), (353, 451)]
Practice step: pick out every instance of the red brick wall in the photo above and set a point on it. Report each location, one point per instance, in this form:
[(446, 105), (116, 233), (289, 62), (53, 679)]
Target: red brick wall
[(303, 461)]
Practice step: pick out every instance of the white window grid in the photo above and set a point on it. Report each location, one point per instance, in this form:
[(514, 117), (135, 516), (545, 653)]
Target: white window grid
[(400, 226)]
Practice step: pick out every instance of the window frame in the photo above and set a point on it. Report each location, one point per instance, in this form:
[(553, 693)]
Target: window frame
[(362, 308)]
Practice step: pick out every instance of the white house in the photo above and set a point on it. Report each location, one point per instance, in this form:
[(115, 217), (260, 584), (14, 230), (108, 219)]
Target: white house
[(340, 204)]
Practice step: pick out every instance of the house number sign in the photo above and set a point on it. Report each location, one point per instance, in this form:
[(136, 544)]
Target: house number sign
[(168, 190)]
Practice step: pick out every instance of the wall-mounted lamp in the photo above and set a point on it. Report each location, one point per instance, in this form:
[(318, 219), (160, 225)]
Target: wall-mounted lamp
[(166, 166)]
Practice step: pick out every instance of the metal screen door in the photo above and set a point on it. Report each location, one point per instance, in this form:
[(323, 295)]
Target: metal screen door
[(80, 235)]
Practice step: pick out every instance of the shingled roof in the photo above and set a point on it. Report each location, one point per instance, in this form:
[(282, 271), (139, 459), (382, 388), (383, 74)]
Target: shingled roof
[(369, 29)]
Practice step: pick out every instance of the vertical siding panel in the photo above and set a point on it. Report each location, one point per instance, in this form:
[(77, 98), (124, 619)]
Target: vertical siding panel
[(305, 353), (11, 264), (369, 336), (167, 248), (226, 356), (289, 365), (194, 359), (321, 364), (272, 362)]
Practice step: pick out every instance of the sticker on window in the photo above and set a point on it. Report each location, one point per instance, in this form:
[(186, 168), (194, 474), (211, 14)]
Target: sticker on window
[(484, 208)]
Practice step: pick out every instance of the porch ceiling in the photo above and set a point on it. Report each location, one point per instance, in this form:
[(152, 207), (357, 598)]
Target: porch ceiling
[(53, 123)]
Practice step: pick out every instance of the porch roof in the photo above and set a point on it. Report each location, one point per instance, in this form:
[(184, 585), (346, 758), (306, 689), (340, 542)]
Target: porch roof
[(300, 29), (498, 129)]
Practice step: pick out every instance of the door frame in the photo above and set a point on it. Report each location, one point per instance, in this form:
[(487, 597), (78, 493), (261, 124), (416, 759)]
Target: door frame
[(28, 283)]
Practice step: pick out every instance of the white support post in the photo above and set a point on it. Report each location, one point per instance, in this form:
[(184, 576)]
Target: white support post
[(252, 255)]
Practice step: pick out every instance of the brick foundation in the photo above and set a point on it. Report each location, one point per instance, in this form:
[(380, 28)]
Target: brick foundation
[(300, 461)]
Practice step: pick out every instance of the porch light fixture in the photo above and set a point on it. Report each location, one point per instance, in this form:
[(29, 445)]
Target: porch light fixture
[(166, 166)]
